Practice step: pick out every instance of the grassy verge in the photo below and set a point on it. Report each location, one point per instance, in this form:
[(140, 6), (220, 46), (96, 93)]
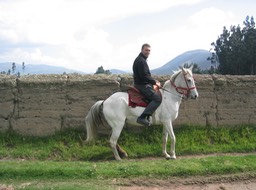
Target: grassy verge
[(158, 168), (67, 146), (100, 175), (63, 162)]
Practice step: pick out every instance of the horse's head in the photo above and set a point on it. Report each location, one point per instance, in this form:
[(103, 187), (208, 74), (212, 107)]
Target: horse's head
[(184, 82)]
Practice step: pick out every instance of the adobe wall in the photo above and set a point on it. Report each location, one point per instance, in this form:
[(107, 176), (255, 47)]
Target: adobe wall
[(40, 105)]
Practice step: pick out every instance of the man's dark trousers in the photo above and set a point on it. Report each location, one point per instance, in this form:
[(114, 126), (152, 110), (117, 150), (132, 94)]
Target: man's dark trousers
[(152, 96)]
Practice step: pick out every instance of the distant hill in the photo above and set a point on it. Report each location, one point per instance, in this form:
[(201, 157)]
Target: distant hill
[(37, 69), (117, 71), (195, 56)]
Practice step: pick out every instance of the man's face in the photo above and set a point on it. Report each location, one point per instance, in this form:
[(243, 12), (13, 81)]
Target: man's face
[(146, 51)]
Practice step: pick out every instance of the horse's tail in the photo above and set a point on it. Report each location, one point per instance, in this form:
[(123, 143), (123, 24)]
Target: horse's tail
[(92, 120)]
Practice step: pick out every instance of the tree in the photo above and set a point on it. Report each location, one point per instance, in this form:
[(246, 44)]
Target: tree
[(23, 67), (107, 72), (100, 70), (236, 49), (13, 67), (214, 63), (250, 41), (197, 70)]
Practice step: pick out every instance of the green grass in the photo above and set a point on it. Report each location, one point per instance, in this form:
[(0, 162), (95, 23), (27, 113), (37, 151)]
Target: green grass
[(67, 146), (63, 162), (157, 168), (100, 175)]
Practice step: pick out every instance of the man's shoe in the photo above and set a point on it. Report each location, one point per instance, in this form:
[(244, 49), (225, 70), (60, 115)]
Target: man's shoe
[(143, 121)]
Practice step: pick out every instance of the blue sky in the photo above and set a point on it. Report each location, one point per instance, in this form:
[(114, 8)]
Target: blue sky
[(85, 34)]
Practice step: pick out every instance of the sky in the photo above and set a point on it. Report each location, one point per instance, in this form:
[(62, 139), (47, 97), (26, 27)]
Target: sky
[(86, 34)]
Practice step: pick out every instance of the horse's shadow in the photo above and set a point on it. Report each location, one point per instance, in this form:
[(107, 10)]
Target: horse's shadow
[(104, 156)]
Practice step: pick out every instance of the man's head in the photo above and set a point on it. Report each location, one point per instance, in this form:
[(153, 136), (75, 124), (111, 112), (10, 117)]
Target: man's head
[(145, 50)]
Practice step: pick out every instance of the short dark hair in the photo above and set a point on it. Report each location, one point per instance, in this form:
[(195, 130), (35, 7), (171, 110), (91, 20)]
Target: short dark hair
[(145, 45)]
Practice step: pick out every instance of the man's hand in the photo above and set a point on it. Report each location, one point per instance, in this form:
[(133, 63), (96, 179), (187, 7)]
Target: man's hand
[(157, 86)]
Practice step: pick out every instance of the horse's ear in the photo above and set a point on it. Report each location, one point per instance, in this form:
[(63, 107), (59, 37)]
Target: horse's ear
[(183, 70), (191, 67)]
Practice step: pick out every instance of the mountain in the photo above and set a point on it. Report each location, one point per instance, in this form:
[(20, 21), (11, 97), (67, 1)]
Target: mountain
[(195, 56), (117, 71), (198, 56), (36, 69)]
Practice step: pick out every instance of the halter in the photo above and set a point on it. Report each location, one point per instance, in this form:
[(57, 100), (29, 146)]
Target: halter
[(183, 90)]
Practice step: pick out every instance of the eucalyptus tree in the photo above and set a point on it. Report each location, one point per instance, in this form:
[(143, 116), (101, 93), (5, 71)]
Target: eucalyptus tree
[(236, 49)]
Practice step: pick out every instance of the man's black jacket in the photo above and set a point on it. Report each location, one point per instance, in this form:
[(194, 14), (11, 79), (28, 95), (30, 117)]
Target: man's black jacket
[(141, 73)]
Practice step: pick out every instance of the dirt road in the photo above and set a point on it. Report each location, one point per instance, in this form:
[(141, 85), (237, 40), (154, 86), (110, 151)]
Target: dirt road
[(240, 181), (227, 182)]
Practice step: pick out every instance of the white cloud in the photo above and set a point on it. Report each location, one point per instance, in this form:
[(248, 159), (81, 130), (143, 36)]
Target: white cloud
[(74, 29), (33, 56), (210, 15), (197, 32), (72, 26), (48, 21)]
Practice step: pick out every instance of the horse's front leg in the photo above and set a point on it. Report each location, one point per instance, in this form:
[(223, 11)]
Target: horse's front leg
[(169, 131), (165, 139)]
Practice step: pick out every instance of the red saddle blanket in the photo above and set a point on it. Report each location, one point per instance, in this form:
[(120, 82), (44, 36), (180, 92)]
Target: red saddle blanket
[(135, 98)]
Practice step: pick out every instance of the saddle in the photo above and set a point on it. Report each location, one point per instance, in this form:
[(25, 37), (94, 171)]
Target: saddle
[(135, 98)]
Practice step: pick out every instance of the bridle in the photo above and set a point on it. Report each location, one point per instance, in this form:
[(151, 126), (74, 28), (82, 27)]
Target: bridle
[(183, 90)]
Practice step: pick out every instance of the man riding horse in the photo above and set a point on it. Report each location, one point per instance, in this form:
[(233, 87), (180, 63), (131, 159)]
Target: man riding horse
[(144, 83)]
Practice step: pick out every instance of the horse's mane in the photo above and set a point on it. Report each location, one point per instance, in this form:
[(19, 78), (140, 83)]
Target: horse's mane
[(174, 76), (176, 73)]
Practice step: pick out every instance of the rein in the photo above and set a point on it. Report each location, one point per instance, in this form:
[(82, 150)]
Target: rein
[(171, 92)]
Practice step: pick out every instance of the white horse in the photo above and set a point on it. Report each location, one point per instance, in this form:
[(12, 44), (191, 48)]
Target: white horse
[(116, 112)]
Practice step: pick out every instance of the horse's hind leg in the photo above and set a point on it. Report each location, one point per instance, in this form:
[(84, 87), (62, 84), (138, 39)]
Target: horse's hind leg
[(113, 142), (121, 151)]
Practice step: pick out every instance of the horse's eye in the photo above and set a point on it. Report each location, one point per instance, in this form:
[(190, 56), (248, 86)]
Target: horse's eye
[(189, 80)]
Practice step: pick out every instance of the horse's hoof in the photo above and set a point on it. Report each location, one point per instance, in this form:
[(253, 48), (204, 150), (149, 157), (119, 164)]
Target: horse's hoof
[(118, 159), (124, 155), (171, 158)]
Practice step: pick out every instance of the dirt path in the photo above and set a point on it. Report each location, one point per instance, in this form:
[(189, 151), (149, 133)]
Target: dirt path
[(197, 156), (227, 182), (242, 181), (224, 182)]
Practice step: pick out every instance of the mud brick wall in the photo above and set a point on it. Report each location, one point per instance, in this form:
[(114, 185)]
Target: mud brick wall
[(43, 104), (40, 105)]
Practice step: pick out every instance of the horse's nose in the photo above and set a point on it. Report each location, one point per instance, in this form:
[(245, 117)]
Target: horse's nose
[(195, 96)]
